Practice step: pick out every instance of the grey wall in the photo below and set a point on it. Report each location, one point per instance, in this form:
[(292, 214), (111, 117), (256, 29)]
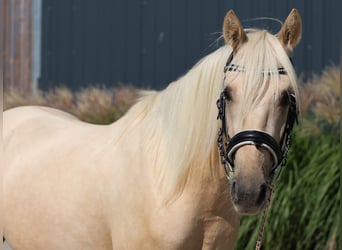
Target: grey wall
[(149, 43)]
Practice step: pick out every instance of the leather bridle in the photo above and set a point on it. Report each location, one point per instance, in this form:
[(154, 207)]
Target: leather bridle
[(228, 146)]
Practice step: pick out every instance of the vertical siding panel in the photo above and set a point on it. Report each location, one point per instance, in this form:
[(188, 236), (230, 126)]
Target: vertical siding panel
[(133, 41), (91, 36), (47, 43), (177, 55), (333, 28), (281, 10), (318, 31), (193, 31), (209, 26), (331, 38), (269, 11), (243, 9), (63, 41), (77, 44), (310, 36), (311, 43), (104, 42), (299, 57), (163, 47), (148, 44), (53, 44), (118, 32), (328, 34), (223, 7), (42, 80)]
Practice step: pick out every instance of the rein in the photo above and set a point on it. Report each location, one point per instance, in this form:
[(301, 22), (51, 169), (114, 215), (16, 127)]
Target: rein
[(228, 146)]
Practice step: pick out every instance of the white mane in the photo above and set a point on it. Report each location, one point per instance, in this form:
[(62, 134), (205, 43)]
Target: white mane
[(181, 121)]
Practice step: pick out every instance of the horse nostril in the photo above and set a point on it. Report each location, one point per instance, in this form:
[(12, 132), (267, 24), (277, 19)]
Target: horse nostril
[(262, 194)]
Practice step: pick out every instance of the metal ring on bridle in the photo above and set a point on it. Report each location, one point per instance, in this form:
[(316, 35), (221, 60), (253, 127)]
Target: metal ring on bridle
[(231, 153), (257, 138)]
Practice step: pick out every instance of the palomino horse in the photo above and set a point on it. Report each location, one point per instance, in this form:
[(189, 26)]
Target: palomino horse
[(154, 179)]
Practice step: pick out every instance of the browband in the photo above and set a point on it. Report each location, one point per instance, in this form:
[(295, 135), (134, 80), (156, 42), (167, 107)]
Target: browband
[(236, 68)]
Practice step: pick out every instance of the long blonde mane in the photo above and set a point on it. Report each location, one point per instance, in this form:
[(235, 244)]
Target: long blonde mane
[(180, 122)]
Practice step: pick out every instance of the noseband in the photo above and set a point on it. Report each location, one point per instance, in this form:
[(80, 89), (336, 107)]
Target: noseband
[(228, 146)]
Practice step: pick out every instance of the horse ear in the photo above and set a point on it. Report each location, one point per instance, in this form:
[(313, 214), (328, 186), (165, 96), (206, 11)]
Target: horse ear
[(233, 31), (291, 31)]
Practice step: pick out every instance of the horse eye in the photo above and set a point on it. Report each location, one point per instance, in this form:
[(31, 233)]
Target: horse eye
[(228, 93)]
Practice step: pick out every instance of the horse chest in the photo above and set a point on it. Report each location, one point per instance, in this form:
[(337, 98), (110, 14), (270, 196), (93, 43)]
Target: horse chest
[(202, 233), (191, 223)]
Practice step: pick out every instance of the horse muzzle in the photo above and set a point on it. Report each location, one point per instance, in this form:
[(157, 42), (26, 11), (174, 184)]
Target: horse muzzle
[(249, 186), (246, 199)]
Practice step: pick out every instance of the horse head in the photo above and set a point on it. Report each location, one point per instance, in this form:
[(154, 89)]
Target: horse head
[(257, 108)]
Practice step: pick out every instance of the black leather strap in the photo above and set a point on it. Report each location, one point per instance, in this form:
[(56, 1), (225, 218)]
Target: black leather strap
[(255, 137)]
